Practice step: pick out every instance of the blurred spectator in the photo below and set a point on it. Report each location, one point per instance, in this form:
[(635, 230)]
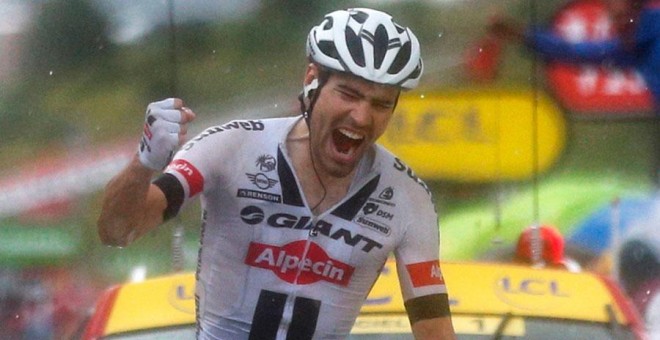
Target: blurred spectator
[(551, 247), (37, 311), (11, 300), (43, 303), (636, 44), (639, 268)]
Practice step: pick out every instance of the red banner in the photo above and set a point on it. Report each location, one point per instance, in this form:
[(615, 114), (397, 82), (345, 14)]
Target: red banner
[(594, 90)]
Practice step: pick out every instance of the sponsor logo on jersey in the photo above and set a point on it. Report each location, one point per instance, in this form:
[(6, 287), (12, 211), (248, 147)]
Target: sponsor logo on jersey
[(384, 202), (399, 165), (293, 264), (248, 125), (386, 194), (262, 181), (253, 215), (369, 208), (266, 163), (190, 173), (425, 274), (259, 195), (365, 222), (384, 197), (373, 208)]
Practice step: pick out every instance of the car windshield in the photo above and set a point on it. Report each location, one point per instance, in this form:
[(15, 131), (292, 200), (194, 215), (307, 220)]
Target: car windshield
[(182, 333), (478, 328), (540, 330), (516, 328)]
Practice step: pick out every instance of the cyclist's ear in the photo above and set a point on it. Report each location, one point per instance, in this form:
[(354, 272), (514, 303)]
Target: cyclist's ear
[(310, 84)]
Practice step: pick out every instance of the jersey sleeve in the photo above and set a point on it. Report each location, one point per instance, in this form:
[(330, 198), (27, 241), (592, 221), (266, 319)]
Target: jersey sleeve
[(418, 265), (418, 254)]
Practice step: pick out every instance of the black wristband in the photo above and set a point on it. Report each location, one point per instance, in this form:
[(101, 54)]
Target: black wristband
[(173, 190)]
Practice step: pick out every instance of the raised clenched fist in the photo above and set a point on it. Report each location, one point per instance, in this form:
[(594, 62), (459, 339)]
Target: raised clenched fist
[(165, 127)]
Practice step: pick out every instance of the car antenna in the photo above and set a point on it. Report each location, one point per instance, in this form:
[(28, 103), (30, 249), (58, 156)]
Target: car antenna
[(615, 232), (178, 233), (536, 240)]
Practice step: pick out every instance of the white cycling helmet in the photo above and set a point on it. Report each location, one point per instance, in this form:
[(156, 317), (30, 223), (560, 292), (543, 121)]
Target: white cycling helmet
[(368, 44)]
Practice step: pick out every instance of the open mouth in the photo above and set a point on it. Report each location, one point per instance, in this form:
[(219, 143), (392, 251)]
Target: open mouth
[(345, 141)]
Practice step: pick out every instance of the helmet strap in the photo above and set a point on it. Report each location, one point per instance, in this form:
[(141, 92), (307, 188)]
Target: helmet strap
[(310, 93), (307, 98)]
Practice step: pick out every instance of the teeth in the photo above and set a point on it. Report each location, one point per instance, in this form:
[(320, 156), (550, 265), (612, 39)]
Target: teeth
[(350, 134)]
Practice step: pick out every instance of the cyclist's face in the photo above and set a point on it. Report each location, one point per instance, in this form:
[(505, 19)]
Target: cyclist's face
[(349, 115)]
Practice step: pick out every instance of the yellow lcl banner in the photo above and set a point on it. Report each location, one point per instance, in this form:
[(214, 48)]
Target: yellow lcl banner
[(476, 135)]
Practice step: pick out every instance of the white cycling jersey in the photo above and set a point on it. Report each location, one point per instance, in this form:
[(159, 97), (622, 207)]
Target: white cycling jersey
[(268, 268)]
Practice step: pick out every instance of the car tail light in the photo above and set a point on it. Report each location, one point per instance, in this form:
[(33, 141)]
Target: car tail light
[(626, 307), (96, 326)]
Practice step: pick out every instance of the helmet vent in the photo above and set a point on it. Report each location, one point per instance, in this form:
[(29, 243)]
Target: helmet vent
[(328, 23), (381, 45), (401, 59), (417, 72), (328, 48), (360, 16), (354, 44)]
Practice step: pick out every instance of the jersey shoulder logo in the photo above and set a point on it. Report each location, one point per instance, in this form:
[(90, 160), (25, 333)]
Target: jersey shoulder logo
[(425, 273), (190, 173), (262, 181), (266, 163)]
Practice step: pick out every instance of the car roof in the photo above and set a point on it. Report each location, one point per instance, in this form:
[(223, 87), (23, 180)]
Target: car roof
[(159, 302), (474, 288), (496, 288)]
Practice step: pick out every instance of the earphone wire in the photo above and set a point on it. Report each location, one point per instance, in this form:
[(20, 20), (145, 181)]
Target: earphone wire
[(315, 90), (316, 172)]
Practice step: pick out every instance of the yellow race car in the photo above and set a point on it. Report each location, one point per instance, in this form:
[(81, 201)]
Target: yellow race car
[(488, 301)]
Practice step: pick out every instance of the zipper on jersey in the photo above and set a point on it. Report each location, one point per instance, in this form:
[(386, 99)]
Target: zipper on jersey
[(313, 233), (287, 315)]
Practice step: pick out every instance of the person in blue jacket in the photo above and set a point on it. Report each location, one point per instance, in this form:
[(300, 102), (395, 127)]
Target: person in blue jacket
[(636, 44)]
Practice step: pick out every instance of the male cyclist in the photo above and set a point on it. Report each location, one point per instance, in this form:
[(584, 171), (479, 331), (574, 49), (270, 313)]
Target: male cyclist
[(299, 213)]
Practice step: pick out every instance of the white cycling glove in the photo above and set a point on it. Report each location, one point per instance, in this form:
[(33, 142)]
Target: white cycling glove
[(160, 136)]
